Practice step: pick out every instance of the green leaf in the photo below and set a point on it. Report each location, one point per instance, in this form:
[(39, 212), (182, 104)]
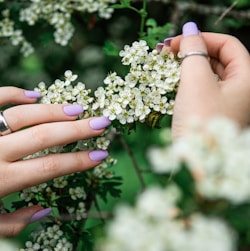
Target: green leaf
[(151, 22), (110, 48), (125, 2), (155, 33), (110, 188)]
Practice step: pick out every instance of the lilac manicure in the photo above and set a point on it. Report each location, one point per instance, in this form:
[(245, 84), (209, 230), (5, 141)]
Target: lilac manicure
[(73, 110), (40, 214), (167, 41), (99, 123), (189, 29), (98, 155), (32, 94), (159, 47)]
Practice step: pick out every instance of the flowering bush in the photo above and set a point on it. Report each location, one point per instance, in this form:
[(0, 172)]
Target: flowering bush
[(200, 196), (149, 87)]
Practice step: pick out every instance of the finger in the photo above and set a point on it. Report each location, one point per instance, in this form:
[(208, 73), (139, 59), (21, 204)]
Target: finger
[(196, 72), (12, 224), (14, 95), (33, 114), (217, 67), (39, 170), (225, 49), (197, 94), (231, 53), (31, 140)]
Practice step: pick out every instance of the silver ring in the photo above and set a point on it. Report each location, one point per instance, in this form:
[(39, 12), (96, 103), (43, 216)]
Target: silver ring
[(4, 128), (194, 53)]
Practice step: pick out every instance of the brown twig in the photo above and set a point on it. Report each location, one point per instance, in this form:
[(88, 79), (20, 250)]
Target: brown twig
[(134, 162), (229, 9)]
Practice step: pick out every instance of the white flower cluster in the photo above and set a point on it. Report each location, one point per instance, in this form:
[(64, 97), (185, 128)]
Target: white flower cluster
[(153, 224), (61, 92), (77, 193), (152, 77), (29, 193), (78, 212), (7, 30), (217, 156), (50, 239), (59, 14)]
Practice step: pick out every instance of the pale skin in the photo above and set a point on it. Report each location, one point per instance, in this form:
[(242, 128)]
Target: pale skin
[(200, 94), (48, 126)]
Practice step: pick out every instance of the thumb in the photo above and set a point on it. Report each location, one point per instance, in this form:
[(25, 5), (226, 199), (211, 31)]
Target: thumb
[(196, 72), (198, 93), (12, 224)]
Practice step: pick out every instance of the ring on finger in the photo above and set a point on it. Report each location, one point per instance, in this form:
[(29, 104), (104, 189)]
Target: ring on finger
[(194, 53), (4, 128)]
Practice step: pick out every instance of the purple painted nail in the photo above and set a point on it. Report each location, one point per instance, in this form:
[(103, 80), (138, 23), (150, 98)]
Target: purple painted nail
[(167, 41), (40, 214), (159, 47), (99, 123), (98, 155), (73, 110), (32, 94), (189, 29)]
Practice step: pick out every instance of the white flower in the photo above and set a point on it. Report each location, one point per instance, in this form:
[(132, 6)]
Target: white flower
[(69, 77), (112, 111), (102, 143), (60, 182), (77, 193)]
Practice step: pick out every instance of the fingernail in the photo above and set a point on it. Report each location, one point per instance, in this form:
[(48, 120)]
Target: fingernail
[(32, 94), (40, 214), (167, 41), (73, 110), (159, 47), (99, 123), (189, 29), (98, 155)]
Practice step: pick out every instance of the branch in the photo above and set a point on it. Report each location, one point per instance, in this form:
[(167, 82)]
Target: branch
[(134, 162)]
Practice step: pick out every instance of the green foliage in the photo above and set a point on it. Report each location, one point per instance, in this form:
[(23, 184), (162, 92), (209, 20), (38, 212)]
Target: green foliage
[(156, 33)]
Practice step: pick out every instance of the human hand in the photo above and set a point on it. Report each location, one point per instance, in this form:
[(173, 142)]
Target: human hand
[(200, 94), (43, 126)]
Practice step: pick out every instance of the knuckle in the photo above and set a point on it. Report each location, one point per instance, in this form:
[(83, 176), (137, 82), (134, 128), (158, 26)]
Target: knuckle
[(50, 165), (12, 231), (79, 130), (9, 228), (14, 118), (80, 162), (39, 135)]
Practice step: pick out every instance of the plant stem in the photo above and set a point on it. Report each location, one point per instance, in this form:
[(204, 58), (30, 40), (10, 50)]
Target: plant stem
[(144, 14), (134, 162)]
